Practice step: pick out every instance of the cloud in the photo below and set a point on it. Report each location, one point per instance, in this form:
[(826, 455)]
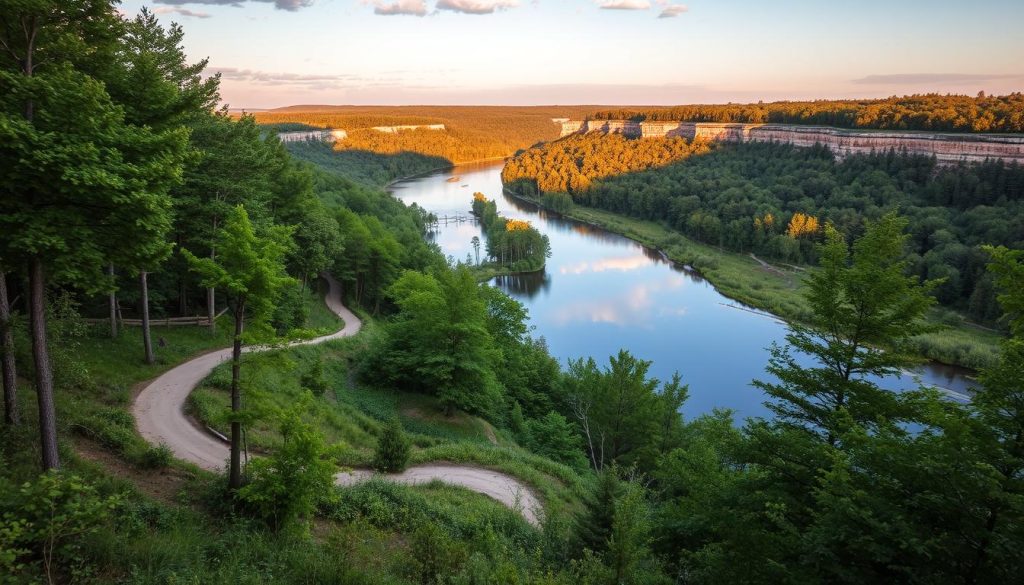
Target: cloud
[(181, 11), (289, 5), (476, 6), (626, 5), (932, 78), (400, 7), (673, 10), (296, 80), (622, 263)]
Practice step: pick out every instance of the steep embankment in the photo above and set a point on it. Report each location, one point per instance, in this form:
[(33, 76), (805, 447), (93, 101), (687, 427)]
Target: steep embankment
[(946, 147), (159, 412)]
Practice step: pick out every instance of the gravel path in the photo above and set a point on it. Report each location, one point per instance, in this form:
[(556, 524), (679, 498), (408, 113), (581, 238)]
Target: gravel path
[(159, 412)]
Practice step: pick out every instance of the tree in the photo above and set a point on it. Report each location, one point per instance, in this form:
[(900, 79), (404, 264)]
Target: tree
[(7, 366), (476, 247), (439, 343), (864, 310), (620, 411), (77, 180), (250, 269), (158, 89), (287, 484), (392, 453), (232, 168)]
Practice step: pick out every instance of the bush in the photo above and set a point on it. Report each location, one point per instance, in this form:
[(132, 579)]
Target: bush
[(157, 457), (392, 449), (45, 522), (435, 554), (289, 483), (554, 437), (314, 379)]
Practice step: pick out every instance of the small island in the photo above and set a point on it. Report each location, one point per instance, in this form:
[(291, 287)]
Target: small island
[(512, 245)]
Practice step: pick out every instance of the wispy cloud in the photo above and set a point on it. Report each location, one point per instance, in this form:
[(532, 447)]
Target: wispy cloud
[(400, 7), (298, 80), (289, 5), (933, 78), (476, 6), (672, 10), (625, 5), (180, 11)]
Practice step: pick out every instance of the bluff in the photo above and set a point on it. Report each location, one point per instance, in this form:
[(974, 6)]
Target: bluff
[(947, 148)]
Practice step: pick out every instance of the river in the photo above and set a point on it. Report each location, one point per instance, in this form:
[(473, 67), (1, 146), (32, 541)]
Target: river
[(601, 292)]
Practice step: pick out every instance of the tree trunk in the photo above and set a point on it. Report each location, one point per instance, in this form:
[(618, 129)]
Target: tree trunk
[(147, 339), (11, 415), (235, 477), (41, 361), (211, 309), (113, 302), (211, 299)]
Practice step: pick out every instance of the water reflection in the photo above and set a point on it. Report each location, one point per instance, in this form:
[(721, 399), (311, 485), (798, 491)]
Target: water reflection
[(602, 292), (523, 286)]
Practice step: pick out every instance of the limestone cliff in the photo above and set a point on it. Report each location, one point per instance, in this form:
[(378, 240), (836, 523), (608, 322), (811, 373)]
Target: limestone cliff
[(945, 147)]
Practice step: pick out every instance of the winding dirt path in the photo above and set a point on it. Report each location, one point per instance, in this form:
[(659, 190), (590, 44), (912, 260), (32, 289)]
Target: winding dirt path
[(159, 411)]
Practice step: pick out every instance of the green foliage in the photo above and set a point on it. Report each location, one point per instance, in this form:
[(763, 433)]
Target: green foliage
[(249, 267), (743, 196), (314, 380), (435, 556), (392, 453), (290, 310), (47, 520), (157, 457), (554, 437), (864, 310), (936, 112), (289, 483), (623, 417), (512, 243), (438, 342)]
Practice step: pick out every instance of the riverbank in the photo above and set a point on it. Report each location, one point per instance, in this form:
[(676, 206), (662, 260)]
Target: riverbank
[(779, 289)]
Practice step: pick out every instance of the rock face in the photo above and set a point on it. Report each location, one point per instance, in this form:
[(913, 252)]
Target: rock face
[(313, 136), (397, 129), (947, 148)]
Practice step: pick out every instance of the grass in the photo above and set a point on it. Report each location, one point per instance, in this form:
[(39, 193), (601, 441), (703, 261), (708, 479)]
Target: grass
[(780, 289), (351, 416)]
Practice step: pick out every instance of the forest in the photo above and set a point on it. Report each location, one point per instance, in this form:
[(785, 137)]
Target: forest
[(511, 243), (760, 197), (471, 132), (128, 193), (931, 112)]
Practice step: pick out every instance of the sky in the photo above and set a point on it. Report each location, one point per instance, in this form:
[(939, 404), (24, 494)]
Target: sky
[(273, 53)]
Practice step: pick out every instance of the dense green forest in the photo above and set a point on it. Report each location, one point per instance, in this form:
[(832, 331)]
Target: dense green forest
[(124, 189), (511, 243), (773, 199), (471, 132), (938, 113)]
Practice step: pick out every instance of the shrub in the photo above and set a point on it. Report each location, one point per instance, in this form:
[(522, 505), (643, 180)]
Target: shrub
[(392, 449), (45, 522), (314, 380), (157, 457), (289, 483), (435, 555)]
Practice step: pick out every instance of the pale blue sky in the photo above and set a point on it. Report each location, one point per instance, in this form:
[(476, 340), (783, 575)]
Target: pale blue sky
[(282, 52)]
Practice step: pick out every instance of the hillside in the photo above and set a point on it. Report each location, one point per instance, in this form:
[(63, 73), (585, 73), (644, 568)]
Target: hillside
[(931, 112), (471, 132)]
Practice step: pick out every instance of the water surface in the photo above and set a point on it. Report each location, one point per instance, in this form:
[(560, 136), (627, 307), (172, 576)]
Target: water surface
[(601, 292)]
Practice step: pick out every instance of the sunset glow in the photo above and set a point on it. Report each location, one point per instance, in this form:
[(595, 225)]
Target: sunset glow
[(502, 52)]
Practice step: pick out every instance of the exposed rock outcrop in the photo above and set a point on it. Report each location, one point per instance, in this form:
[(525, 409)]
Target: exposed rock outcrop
[(945, 147), (313, 136)]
